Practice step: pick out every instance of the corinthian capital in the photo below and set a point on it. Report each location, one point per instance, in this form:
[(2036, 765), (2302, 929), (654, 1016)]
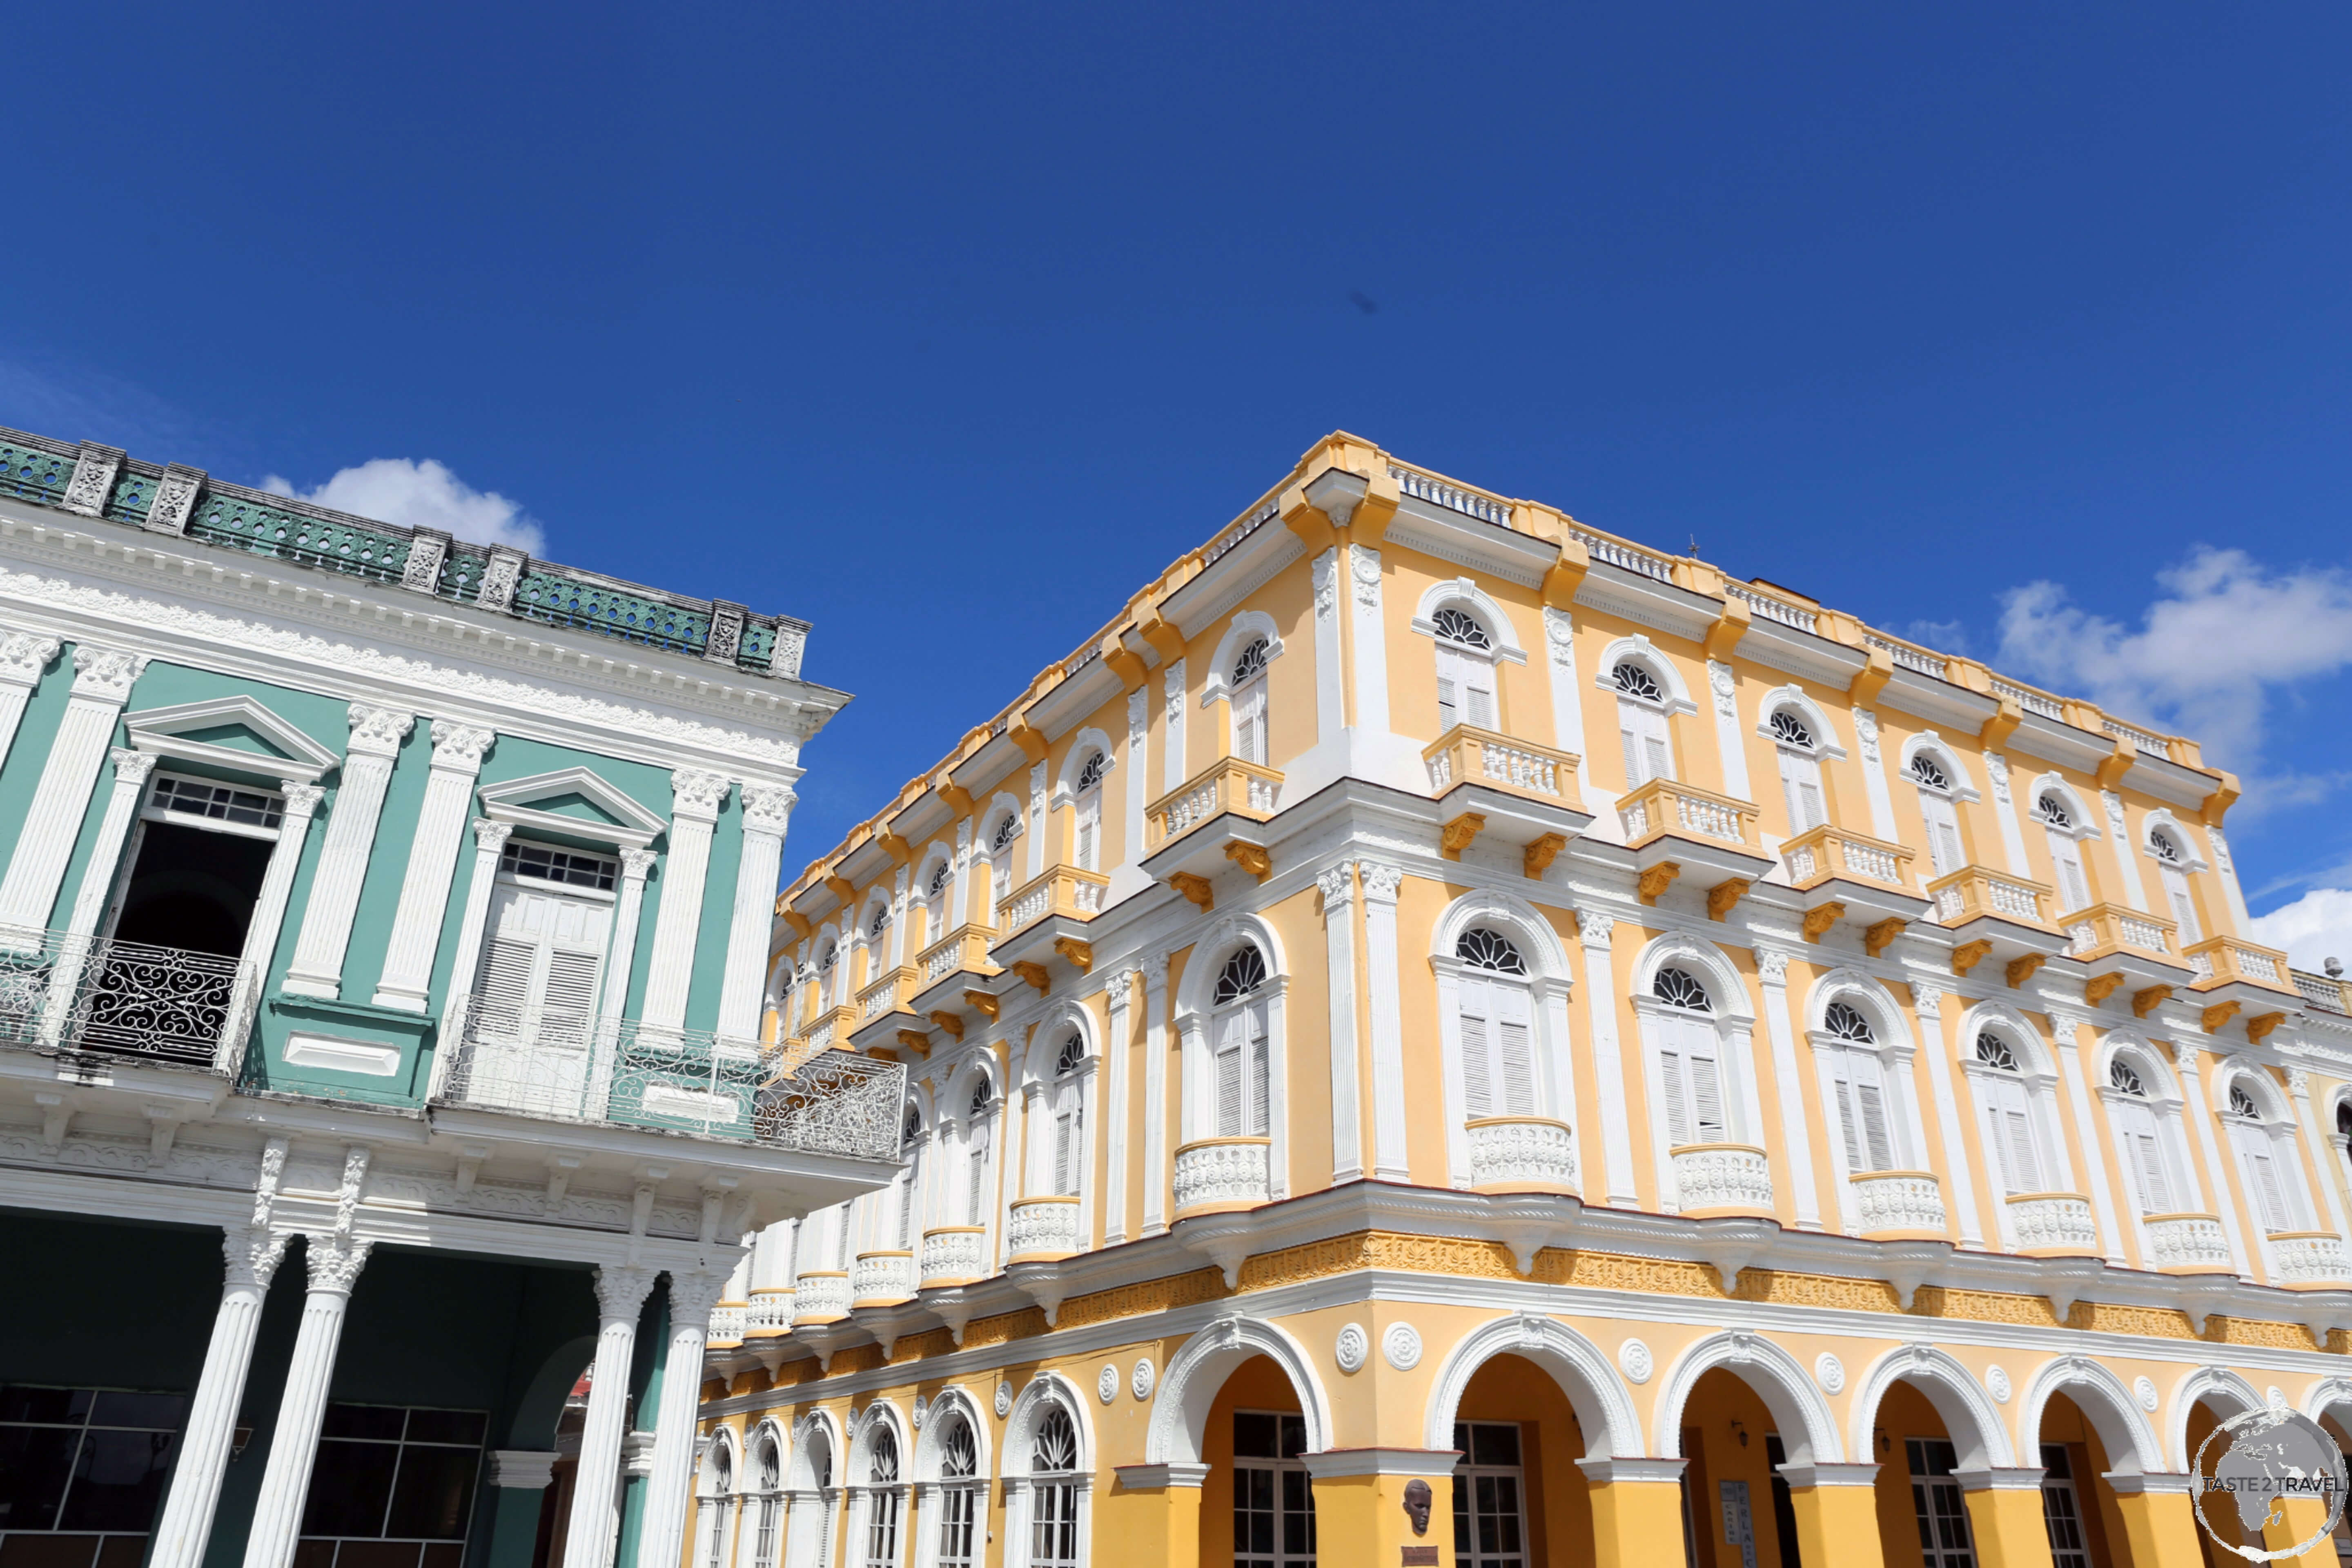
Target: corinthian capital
[(767, 808), (459, 746), (697, 793), (377, 731)]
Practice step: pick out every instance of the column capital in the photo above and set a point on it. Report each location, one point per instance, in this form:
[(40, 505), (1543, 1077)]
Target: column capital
[(1155, 971), (1330, 1463), (105, 673), (490, 836), (1338, 885), (1159, 1478), (522, 1469), (1772, 965), (1801, 1478), (23, 657), (1601, 1472), (1927, 1000), (131, 767), (692, 1295), (1381, 880), (768, 809), (378, 732), (2000, 1479), (637, 863), (251, 1256), (1594, 928), (621, 1290), (461, 747), (1121, 983), (302, 799), (698, 795), (334, 1265)]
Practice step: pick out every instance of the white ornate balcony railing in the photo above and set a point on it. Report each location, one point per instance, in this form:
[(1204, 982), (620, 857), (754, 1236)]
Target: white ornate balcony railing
[(2227, 958), (2187, 1241), (1772, 609), (1620, 554), (1453, 498), (1220, 1174), (727, 1323), (951, 1254), (1723, 1176), (2106, 927), (68, 996), (1831, 851), (2053, 1222), (821, 1296), (2321, 991), (2145, 739), (1975, 891), (1907, 657), (1042, 1227), (1228, 784), (2308, 1258), (1061, 891), (2032, 701), (1897, 1200), (1521, 1151), (881, 1278), (768, 1312), (631, 1074), (964, 948), (1667, 805)]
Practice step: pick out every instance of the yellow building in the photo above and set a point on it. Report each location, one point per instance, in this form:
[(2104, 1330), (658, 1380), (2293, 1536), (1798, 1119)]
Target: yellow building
[(1437, 1011)]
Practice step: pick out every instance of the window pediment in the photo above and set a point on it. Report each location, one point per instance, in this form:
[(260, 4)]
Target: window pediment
[(236, 734), (574, 802)]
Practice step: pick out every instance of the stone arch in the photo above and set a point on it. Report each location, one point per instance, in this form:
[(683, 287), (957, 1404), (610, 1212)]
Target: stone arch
[(1060, 1016), (2088, 823), (2106, 1404), (2226, 1391), (1955, 766), (1088, 741), (2035, 1056), (1180, 1411), (2144, 1059), (1211, 951), (952, 1402), (1876, 1002), (1808, 1431), (1536, 935), (721, 1471), (2330, 1395), (1045, 1391), (1970, 1418), (767, 1437), (1604, 1409), (815, 1435), (1246, 628), (1464, 594), (1793, 697), (1648, 655), (1727, 987), (2263, 1089), (881, 1415)]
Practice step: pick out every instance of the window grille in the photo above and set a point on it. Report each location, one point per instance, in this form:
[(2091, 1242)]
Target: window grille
[(1244, 972), (2242, 1104), (1635, 681), (218, 802), (1790, 729), (1251, 664), (1005, 833), (1483, 949), (2125, 1081), (2053, 810), (545, 863), (1677, 988), (1454, 626), (1925, 771), (1092, 774), (1848, 1025), (1994, 1052)]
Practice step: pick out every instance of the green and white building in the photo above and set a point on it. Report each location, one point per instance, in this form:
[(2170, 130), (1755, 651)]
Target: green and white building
[(384, 932)]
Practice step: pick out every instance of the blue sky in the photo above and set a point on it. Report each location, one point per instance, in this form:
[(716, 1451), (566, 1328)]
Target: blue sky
[(2024, 329)]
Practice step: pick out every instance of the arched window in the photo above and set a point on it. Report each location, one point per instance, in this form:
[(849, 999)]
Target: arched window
[(1641, 724), (768, 1471), (1089, 812), (1248, 698), (911, 1178), (2016, 1147), (999, 856), (1006, 831), (1238, 1015), (810, 1528), (2262, 1152), (714, 1505), (1689, 1059), (828, 976), (959, 1497), (2143, 1141), (978, 1122), (937, 892), (1054, 1493), (1465, 671), (1801, 770), (1860, 1088), (1069, 1114), (882, 1503), (2065, 854), (1497, 1035), (1942, 816), (879, 923), (2172, 867)]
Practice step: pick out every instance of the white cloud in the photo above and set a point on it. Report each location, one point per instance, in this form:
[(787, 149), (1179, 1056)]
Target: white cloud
[(423, 494), (2205, 656), (2315, 928)]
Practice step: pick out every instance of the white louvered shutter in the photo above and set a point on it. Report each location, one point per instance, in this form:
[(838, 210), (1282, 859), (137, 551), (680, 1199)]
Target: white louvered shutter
[(1694, 1085), (910, 1192), (1870, 1101), (1249, 722), (1065, 1139), (1233, 1037), (976, 1177), (1677, 1094), (1260, 1068), (2184, 908), (2074, 888), (1644, 731), (502, 995), (1477, 691), (2012, 1119), (1942, 833), (2262, 1176), (1514, 1052), (1449, 687), (1801, 786), (1089, 829), (2145, 1157), (1478, 1029)]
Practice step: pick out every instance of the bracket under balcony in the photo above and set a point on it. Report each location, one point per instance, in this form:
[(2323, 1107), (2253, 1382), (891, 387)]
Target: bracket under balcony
[(1846, 876), (1707, 839), (1494, 788), (1214, 819)]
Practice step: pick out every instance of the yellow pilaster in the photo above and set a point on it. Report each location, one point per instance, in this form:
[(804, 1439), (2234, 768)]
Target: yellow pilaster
[(2160, 1526), (1153, 1513), (1361, 1507), (1837, 1515), (2305, 1517), (1637, 1512), (2006, 1519)]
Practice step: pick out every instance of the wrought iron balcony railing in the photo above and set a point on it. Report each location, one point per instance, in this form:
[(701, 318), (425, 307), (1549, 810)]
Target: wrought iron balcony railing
[(73, 995), (634, 1074)]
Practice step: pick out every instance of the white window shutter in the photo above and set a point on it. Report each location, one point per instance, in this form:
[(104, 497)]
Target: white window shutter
[(502, 995), (977, 1196), (1231, 1038), (2074, 888), (2013, 1127), (1477, 1057), (1449, 670), (1260, 1071), (1515, 1047), (2146, 1159), (1478, 685), (1249, 722), (1848, 1111), (2262, 1176), (1089, 829), (1942, 833), (1670, 1073), (2184, 908)]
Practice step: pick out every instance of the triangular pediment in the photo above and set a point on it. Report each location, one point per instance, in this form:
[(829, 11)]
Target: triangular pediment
[(237, 733), (574, 802)]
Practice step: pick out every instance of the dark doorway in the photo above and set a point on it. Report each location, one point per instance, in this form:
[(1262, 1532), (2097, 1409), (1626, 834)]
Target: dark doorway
[(1784, 1508), (192, 889)]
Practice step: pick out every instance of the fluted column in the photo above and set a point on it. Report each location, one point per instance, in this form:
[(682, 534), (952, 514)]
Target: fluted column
[(767, 809), (407, 978), (613, 999), (1796, 1144), (691, 1297), (489, 843), (1113, 1118), (102, 681), (22, 657), (318, 966), (211, 1432), (1383, 1002), (1338, 887), (589, 1535), (1156, 1173), (697, 797), (1596, 930), (333, 1264)]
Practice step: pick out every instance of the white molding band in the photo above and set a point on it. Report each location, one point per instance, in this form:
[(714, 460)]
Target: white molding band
[(490, 841), (406, 982), (767, 811), (1608, 1059), (697, 797), (102, 682), (318, 966), (2004, 811)]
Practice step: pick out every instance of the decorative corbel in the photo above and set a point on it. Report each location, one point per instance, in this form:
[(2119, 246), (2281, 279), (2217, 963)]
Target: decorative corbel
[(2117, 763), (1968, 954), (2219, 1014), (2021, 970), (1537, 859), (1033, 973), (2099, 987), (2259, 1027), (2002, 725), (1251, 857), (1821, 917), (982, 1002), (2149, 999), (1081, 954), (1730, 624), (1657, 879), (1877, 669), (1880, 935), (1457, 835), (1194, 888), (950, 1024), (916, 1041), (1725, 896)]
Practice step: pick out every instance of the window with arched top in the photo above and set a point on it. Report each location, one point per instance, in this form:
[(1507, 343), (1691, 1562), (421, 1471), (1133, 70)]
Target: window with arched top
[(961, 1490), (1801, 770), (977, 1128), (1641, 723), (1689, 1059), (1858, 1085), (831, 975), (1008, 829), (2016, 1135), (1000, 857), (884, 1499), (1069, 1116), (1495, 1013), (1053, 1492), (1089, 812), (714, 1505), (2143, 1140), (910, 1177), (1465, 671), (939, 896), (2264, 1150), (2059, 828), (1938, 807), (1241, 1056), (2172, 870), (878, 924), (767, 1471), (1247, 688)]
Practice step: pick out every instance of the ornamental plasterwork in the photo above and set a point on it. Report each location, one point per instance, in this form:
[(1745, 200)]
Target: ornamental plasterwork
[(131, 767), (726, 634), (1719, 676), (1594, 927), (1998, 766), (377, 731), (1560, 631), (637, 863), (2114, 804), (2220, 851), (768, 809), (459, 745), (1364, 566), (1865, 730), (1337, 884), (1138, 714), (1326, 584), (1174, 681), (1352, 1348), (1381, 882), (427, 551), (498, 580), (786, 661), (1122, 980), (175, 499), (1926, 1000), (302, 800), (24, 655), (697, 793), (1772, 966), (105, 673), (93, 475), (1155, 971), (491, 837)]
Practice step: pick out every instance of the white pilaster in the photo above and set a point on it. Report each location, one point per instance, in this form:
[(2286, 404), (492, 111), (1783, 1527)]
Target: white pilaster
[(211, 1432), (102, 681), (1960, 1177), (1171, 759), (22, 657), (1391, 1161), (489, 842), (1371, 638), (1330, 675), (1772, 968), (2004, 811), (697, 796), (1037, 835), (407, 978), (1139, 780), (620, 1292), (1566, 716), (131, 772), (1594, 929), (1339, 886), (1873, 774), (1116, 1108), (2126, 850), (2199, 1116), (767, 810), (333, 1264), (1722, 681), (2236, 895), (269, 915), (669, 1489), (612, 991), (318, 966), (1156, 1172), (2067, 1028)]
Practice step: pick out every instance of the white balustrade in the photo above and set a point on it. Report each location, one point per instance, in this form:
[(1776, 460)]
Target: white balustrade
[(1723, 1176), (1625, 555), (1521, 1151), (1222, 1174), (880, 1279), (2031, 702), (727, 1323), (770, 1312), (2187, 1241), (1897, 1200), (2143, 935), (821, 1296), (1042, 1227), (1772, 609), (951, 1254), (2053, 1222), (2308, 1258)]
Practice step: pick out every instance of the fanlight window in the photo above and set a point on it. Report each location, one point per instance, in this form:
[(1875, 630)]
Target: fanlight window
[(1005, 833), (939, 882), (2125, 1081), (979, 1106), (881, 922), (824, 960), (1994, 1052), (1848, 1025), (1074, 1051), (1251, 664), (1635, 681), (962, 1456), (1244, 972), (883, 1465), (772, 1469), (1790, 729), (882, 1507), (1677, 988), (1054, 1506), (1483, 949), (1925, 771), (2269, 1189), (2165, 849), (2242, 1104), (1057, 1443), (2053, 810), (1092, 774), (1454, 626), (1089, 813), (911, 1130), (959, 1506)]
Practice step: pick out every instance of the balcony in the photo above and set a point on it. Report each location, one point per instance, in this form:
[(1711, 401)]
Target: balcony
[(1217, 819), (1981, 893), (831, 1027), (632, 1074), (1723, 1179), (1897, 1206), (1219, 1175), (768, 1314), (2309, 1260), (2104, 930), (1504, 791), (2220, 960), (820, 1296), (946, 967), (1521, 1154), (1711, 836), (886, 1006), (1866, 877), (74, 996), (727, 1325), (2322, 990), (882, 1278), (2187, 1244), (2050, 1224), (954, 1255), (1043, 1228)]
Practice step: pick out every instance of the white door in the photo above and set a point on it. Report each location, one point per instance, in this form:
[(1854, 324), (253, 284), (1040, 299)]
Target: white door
[(2264, 1190), (1090, 830), (1249, 722), (2184, 908), (2013, 1134), (1862, 1094), (1069, 1126), (1693, 1081), (1241, 1073), (1648, 754), (2074, 888), (1801, 786), (1942, 833), (534, 1007), (1498, 1050), (1466, 689), (2146, 1156)]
